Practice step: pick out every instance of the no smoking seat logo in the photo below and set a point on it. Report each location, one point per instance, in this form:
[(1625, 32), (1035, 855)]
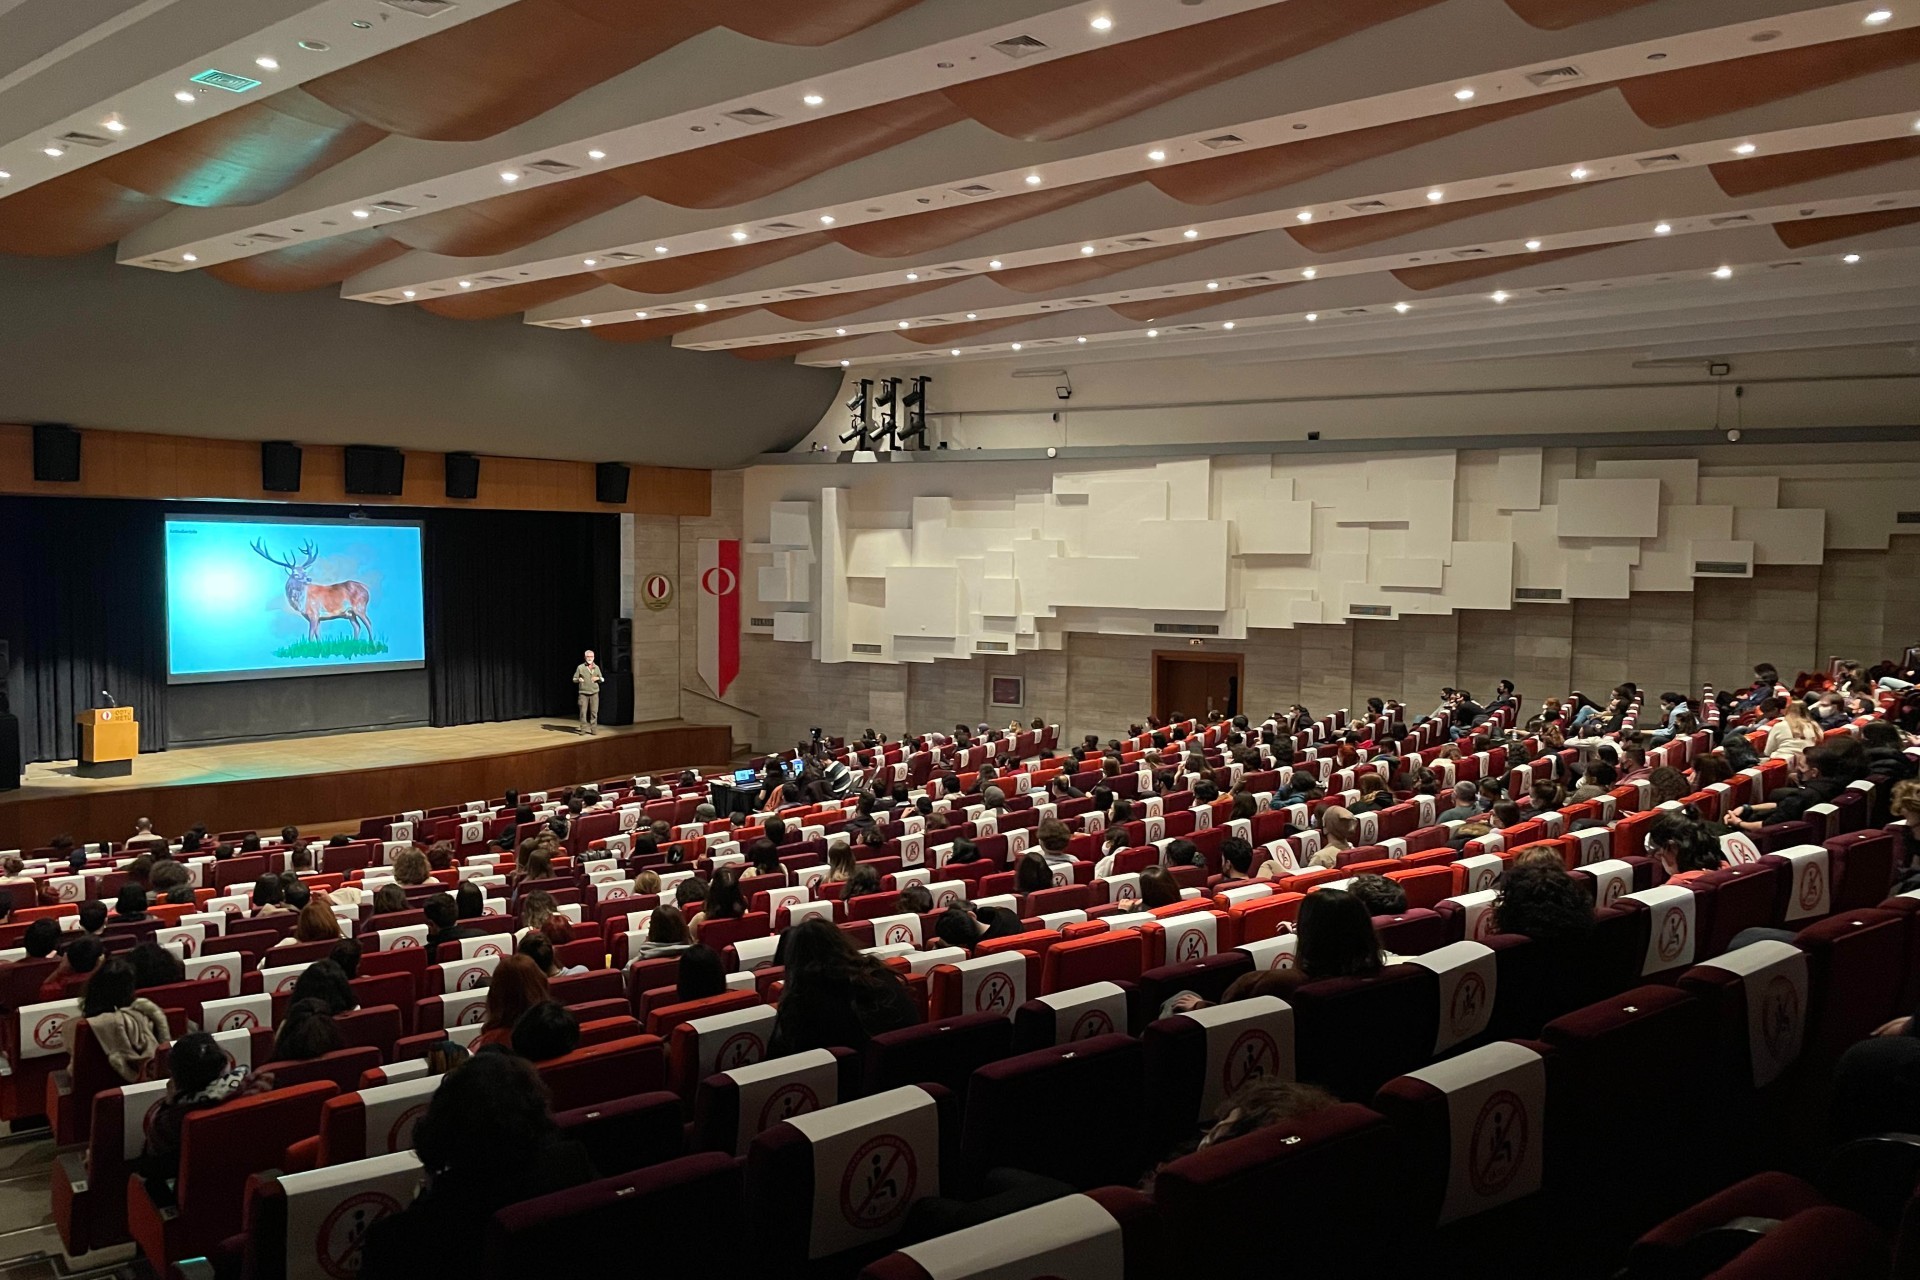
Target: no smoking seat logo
[(1469, 997), (1193, 945), (786, 1102), (1812, 885), (898, 933), (1253, 1056), (337, 1247), (46, 1032), (1094, 1022), (879, 1183), (1780, 1015), (995, 994), (1499, 1144), (741, 1049)]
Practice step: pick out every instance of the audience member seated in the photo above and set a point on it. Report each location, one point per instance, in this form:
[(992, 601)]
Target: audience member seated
[(545, 1032), (1383, 897), (389, 898), (269, 897), (1338, 831), (316, 922), (702, 974), (131, 904), (346, 954), (410, 868), (306, 1031), (443, 922), (967, 926), (326, 982), (80, 958), (517, 985), (155, 966), (1158, 888), (1466, 803), (200, 1076), (1825, 774), (834, 995), (724, 900), (1683, 846), (129, 1028)]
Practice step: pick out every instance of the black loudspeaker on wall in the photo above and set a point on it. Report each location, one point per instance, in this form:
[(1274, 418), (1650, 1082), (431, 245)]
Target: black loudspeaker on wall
[(463, 475), (279, 466), (610, 481), (56, 452), (616, 697), (9, 731), (374, 469)]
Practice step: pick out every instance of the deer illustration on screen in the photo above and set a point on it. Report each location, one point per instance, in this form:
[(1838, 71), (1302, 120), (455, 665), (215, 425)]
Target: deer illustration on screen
[(319, 602)]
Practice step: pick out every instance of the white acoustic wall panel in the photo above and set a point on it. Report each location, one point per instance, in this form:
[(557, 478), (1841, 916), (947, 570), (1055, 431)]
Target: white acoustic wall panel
[(1740, 491), (1517, 480), (790, 524), (923, 600), (871, 552), (1480, 576), (1679, 477), (1597, 579), (789, 625), (999, 597), (1609, 509), (1276, 529), (1783, 535), (1538, 558), (1410, 571)]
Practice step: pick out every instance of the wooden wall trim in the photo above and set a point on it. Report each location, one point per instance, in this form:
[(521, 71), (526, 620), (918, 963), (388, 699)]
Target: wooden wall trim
[(127, 464)]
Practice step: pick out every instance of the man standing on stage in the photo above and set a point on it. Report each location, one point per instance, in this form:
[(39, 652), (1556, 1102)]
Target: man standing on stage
[(586, 679)]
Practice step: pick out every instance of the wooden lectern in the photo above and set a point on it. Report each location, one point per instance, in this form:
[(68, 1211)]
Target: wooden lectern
[(109, 740)]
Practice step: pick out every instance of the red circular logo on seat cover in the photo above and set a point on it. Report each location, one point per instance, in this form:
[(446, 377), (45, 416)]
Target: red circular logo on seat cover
[(995, 994), (1193, 945), (337, 1245), (1673, 933), (1469, 997), (1253, 1056), (236, 1020), (46, 1032), (1812, 885), (879, 1183), (741, 1049), (1616, 885), (897, 933), (400, 1133), (472, 1014), (786, 1102), (1094, 1022), (1499, 1144), (1780, 1015)]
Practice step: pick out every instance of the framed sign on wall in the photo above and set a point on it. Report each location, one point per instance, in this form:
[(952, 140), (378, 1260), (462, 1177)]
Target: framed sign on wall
[(1007, 691)]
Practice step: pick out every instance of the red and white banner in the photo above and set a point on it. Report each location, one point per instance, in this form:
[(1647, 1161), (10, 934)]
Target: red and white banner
[(719, 631)]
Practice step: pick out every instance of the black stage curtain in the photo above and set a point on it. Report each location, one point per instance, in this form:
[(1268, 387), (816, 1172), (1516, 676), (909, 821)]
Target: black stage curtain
[(512, 599), (83, 608)]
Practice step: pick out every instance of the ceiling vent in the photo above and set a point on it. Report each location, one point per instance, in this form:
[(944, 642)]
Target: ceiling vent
[(1906, 517), (1186, 629), (780, 228), (1469, 253), (1536, 593), (990, 646), (760, 622), (1664, 161), (1782, 266), (752, 116), (869, 648), (78, 139), (1553, 76), (1554, 288), (267, 237), (421, 8), (1730, 220), (1137, 241), (797, 293), (950, 271), (1223, 141), (973, 189), (621, 255), (493, 279), (1721, 568), (1354, 311), (1369, 206), (1020, 46), (552, 166), (393, 206), (1369, 611)]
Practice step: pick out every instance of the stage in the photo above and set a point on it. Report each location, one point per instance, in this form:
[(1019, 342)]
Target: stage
[(342, 777)]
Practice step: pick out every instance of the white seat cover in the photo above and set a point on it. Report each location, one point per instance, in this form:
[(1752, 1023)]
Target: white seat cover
[(1466, 974), (1612, 879), (781, 1089), (496, 945), (1282, 952), (1496, 1109), (1477, 908), (891, 930), (43, 1027), (1097, 1009), (1191, 937), (1071, 1238), (1672, 934), (238, 1013), (993, 984), (468, 975), (392, 1111), (1246, 1040), (872, 1159), (725, 1041), (1774, 978), (1812, 892), (329, 1210)]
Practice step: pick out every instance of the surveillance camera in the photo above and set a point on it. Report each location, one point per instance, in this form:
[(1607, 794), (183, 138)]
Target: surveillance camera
[(1063, 391)]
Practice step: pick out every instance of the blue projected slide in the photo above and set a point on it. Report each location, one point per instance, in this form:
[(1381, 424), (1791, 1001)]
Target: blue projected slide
[(255, 598)]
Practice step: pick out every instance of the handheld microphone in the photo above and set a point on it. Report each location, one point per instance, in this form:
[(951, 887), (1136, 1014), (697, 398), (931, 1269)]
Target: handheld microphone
[(108, 695)]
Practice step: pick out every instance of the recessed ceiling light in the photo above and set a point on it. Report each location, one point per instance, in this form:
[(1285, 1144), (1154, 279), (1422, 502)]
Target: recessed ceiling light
[(973, 315), (1533, 246), (1463, 95), (1312, 316), (1156, 156), (994, 265), (181, 95), (585, 321), (913, 275), (1745, 149), (1079, 339), (1878, 16), (596, 154), (508, 175), (52, 151), (362, 213), (1403, 307), (1033, 179), (1213, 284), (194, 257), (699, 306), (659, 248), (1016, 346), (1153, 333), (845, 363), (590, 262), (1305, 215), (1499, 295), (1663, 229), (813, 99), (267, 64), (4, 175), (1191, 234), (1227, 325), (639, 315), (1723, 273), (953, 351), (466, 284), (1851, 258), (1086, 249), (1310, 273), (115, 126), (314, 46), (1102, 23), (906, 324), (841, 332), (1581, 173), (739, 235), (407, 293), (826, 219), (1436, 195)]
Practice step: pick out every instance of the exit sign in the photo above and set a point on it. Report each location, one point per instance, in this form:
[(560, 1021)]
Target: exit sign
[(226, 80)]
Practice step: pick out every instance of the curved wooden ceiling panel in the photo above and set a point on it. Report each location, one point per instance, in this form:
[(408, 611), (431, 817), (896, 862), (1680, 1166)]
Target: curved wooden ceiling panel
[(505, 223), (698, 270), (1159, 308), (935, 334), (1768, 173), (245, 156), (1230, 177), (76, 212), (309, 266), (938, 228), (810, 23), (1044, 276), (507, 300), (744, 169), (502, 69), (1442, 274), (661, 326), (1059, 99), (1350, 233), (1558, 15), (831, 306), (778, 350), (1717, 88), (1812, 231)]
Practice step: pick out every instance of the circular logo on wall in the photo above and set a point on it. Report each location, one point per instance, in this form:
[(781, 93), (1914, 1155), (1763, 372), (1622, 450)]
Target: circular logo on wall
[(657, 592), (718, 581)]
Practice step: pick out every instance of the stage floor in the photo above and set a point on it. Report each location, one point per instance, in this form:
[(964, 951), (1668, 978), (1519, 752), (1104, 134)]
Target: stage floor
[(343, 777)]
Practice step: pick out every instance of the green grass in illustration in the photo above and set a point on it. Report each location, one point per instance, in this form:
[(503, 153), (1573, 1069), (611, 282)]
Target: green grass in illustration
[(332, 648)]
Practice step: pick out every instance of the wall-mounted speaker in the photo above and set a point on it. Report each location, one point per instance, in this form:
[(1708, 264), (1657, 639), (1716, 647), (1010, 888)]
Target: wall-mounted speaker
[(463, 475), (56, 452), (610, 482), (279, 466), (374, 469)]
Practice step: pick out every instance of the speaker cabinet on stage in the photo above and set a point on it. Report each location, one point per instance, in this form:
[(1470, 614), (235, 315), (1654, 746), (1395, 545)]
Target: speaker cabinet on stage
[(610, 482), (616, 695), (9, 751), (463, 475), (56, 452), (279, 466)]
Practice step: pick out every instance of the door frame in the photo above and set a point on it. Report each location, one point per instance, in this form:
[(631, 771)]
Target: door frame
[(1237, 660)]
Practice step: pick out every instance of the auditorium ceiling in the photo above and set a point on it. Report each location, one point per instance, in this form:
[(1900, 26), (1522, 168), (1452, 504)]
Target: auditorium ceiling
[(873, 182)]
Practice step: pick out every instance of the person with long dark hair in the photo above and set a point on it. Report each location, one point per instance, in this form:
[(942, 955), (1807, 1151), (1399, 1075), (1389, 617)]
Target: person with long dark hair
[(128, 1027), (835, 995), (724, 900)]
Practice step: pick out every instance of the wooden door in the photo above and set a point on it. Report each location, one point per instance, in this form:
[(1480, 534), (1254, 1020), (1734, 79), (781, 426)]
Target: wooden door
[(1194, 684)]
